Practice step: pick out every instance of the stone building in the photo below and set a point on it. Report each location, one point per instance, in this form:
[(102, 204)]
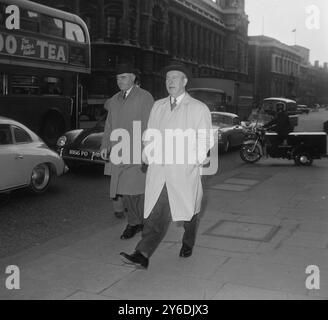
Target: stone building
[(209, 36), (274, 67)]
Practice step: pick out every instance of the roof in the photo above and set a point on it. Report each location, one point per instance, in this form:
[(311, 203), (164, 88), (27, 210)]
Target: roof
[(225, 114), (44, 9), (4, 120), (206, 89), (280, 99)]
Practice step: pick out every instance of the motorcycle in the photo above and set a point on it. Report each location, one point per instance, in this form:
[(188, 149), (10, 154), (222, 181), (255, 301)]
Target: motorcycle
[(302, 147)]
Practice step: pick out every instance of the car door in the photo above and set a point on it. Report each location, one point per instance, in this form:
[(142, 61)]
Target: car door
[(10, 160), (26, 153)]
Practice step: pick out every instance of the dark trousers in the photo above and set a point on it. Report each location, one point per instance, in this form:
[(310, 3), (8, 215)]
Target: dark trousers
[(156, 225), (135, 208)]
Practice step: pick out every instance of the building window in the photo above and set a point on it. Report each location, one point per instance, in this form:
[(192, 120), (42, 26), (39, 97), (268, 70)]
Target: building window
[(113, 30), (114, 16), (133, 20), (157, 27), (91, 24)]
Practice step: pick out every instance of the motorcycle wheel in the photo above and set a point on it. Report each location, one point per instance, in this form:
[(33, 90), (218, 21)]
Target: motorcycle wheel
[(249, 154)]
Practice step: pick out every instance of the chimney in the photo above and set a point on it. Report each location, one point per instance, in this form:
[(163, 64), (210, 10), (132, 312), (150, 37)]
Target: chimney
[(316, 63)]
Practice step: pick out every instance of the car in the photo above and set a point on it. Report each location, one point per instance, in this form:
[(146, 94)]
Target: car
[(302, 108), (82, 146), (228, 128), (25, 160), (213, 98)]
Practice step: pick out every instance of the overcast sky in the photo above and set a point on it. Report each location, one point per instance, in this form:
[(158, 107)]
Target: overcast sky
[(278, 18)]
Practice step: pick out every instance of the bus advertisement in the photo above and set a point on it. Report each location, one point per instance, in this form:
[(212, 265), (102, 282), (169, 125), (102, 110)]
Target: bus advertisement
[(41, 65)]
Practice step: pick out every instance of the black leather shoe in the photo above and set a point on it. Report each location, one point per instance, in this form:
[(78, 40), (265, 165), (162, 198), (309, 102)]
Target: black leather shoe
[(136, 258), (185, 251), (119, 215), (130, 231)]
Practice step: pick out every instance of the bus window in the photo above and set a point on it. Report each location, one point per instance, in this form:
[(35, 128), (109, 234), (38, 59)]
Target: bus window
[(26, 85), (29, 21), (74, 32), (2, 15), (52, 26), (51, 86)]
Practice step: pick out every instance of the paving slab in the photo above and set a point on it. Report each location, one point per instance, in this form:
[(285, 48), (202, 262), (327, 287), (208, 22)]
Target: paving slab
[(238, 292), (78, 274), (269, 276), (152, 285)]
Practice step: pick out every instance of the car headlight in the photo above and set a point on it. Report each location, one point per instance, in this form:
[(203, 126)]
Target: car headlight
[(61, 141), (219, 135)]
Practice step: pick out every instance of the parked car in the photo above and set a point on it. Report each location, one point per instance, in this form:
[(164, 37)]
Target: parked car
[(82, 146), (213, 98), (25, 160), (302, 108), (229, 131)]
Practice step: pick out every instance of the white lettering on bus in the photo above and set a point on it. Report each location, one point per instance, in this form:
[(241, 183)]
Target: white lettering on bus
[(8, 44), (11, 45), (54, 52), (13, 21), (61, 54)]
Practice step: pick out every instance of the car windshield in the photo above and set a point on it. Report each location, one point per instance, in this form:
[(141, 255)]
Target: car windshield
[(221, 120), (259, 116), (207, 97)]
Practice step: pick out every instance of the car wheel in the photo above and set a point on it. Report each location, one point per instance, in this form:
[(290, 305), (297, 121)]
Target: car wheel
[(303, 159), (40, 178)]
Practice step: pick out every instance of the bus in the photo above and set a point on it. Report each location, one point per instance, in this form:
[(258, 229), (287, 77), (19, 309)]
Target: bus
[(41, 68)]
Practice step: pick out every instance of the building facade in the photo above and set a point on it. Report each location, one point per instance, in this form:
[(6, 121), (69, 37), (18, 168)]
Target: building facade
[(274, 68), (209, 36)]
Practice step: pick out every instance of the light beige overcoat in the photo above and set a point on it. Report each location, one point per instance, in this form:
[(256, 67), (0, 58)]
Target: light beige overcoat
[(183, 181)]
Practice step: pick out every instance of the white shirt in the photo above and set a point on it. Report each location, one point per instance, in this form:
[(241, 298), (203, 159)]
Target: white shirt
[(179, 99), (127, 92)]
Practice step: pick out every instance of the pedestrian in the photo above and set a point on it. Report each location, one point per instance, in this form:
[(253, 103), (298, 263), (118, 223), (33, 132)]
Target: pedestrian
[(118, 207), (130, 105), (173, 191)]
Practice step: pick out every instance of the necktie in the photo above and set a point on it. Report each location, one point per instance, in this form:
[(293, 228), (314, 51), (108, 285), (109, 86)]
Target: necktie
[(125, 94), (174, 104)]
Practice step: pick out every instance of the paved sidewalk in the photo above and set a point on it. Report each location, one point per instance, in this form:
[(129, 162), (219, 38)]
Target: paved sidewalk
[(262, 226)]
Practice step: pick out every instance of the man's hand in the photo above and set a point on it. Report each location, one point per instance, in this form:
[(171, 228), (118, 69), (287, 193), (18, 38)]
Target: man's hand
[(104, 154)]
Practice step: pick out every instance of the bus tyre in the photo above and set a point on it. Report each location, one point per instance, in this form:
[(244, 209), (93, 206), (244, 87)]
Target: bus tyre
[(53, 127), (41, 178), (303, 159)]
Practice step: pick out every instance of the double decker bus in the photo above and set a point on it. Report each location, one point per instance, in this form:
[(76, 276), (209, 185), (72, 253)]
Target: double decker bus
[(41, 66)]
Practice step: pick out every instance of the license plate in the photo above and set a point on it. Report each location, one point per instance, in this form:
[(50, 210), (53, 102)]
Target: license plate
[(83, 154), (79, 153)]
